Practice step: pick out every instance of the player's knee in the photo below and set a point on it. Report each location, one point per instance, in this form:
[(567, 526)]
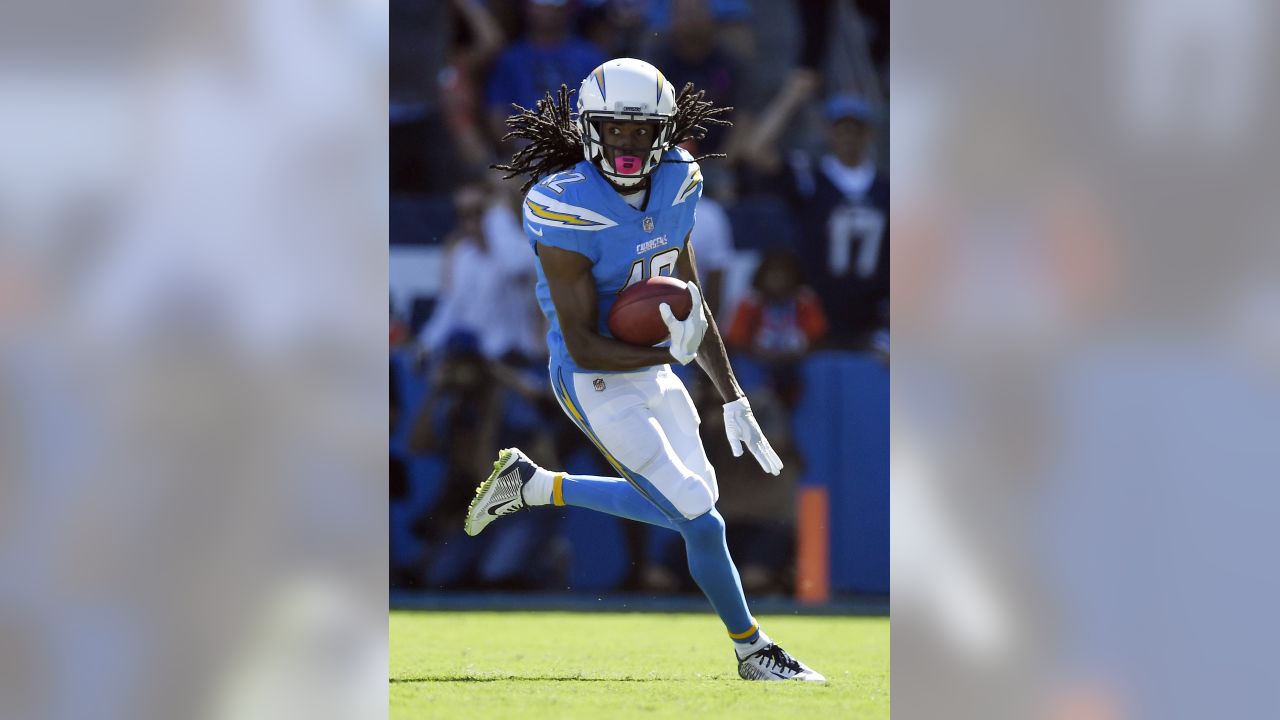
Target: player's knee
[(695, 497)]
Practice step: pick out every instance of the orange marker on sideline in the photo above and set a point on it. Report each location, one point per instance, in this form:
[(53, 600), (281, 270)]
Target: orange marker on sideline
[(813, 542)]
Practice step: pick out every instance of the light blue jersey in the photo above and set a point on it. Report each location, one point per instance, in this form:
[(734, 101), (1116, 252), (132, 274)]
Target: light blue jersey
[(578, 210)]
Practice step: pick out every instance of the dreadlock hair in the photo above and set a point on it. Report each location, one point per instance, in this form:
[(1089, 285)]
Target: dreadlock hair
[(555, 142)]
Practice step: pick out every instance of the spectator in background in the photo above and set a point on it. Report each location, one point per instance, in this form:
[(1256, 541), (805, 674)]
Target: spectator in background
[(460, 409), (418, 40), (842, 202), (488, 275), (471, 278), (475, 44), (845, 199), (440, 50), (778, 323), (485, 390), (474, 404), (691, 52), (619, 28), (519, 322), (467, 410), (548, 56), (730, 22), (712, 240), (456, 420)]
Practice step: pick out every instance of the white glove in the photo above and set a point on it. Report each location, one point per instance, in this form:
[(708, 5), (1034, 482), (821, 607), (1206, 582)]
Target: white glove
[(741, 427), (686, 334)]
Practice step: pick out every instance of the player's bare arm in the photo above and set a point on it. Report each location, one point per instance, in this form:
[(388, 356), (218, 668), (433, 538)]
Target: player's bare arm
[(712, 356), (573, 291)]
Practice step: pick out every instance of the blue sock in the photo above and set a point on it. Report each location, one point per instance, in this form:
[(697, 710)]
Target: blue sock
[(613, 496), (713, 570)]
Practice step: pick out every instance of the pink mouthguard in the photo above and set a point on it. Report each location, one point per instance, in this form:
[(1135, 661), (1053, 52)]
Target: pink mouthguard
[(629, 164)]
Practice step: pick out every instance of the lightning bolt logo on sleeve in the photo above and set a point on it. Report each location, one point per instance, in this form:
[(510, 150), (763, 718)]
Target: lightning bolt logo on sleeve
[(691, 184), (542, 210)]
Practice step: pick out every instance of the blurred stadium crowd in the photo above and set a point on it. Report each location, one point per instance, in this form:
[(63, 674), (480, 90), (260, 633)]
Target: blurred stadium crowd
[(792, 244)]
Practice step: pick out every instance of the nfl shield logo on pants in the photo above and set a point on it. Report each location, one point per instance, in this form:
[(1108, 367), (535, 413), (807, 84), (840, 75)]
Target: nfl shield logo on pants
[(648, 224), (598, 383)]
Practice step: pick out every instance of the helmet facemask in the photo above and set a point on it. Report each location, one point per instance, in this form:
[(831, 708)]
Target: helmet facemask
[(596, 147)]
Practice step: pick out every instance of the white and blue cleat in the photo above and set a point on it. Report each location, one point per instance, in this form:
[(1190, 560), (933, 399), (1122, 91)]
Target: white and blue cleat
[(502, 493), (773, 663)]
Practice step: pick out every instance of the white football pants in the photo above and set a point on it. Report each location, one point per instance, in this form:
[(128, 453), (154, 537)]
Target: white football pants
[(647, 426)]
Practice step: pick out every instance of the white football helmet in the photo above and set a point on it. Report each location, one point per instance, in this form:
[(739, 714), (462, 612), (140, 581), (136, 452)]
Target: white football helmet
[(629, 90)]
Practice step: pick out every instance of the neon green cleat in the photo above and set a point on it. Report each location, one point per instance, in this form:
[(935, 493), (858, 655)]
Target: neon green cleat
[(502, 493)]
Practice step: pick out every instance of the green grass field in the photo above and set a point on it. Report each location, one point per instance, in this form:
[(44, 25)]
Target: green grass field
[(613, 665)]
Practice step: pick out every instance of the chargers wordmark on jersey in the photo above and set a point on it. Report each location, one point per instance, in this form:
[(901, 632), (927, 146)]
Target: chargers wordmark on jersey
[(651, 244)]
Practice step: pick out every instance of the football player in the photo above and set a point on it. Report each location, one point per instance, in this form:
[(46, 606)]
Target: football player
[(610, 202)]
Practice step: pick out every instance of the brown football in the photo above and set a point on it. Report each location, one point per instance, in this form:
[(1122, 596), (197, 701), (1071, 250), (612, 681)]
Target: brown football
[(635, 319)]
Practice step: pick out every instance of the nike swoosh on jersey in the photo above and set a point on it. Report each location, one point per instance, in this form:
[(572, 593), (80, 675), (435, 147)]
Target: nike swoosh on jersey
[(534, 230)]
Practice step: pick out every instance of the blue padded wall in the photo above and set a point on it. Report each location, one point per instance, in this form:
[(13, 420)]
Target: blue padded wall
[(842, 427)]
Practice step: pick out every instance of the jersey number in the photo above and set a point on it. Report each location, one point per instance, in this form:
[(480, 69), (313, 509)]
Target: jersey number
[(663, 263), (850, 228), (559, 180)]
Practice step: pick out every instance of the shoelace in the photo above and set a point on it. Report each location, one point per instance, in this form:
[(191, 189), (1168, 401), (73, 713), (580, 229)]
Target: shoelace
[(776, 656)]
